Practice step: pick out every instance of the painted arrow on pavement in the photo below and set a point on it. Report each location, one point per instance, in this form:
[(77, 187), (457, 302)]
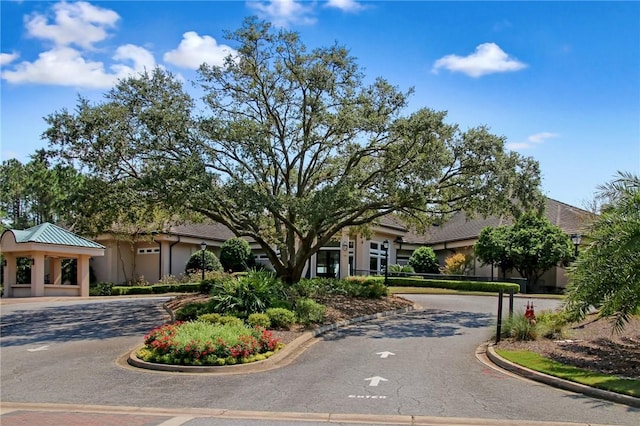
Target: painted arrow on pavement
[(375, 380), (384, 354)]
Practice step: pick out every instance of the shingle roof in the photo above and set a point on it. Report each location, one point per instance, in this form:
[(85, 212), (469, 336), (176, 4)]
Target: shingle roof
[(47, 233), (207, 230), (570, 219)]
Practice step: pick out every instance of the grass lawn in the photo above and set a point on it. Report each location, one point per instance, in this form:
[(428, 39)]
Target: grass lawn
[(597, 380)]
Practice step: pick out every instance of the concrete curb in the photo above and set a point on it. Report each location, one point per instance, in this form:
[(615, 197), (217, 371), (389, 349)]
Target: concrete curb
[(179, 416), (280, 359), (558, 382)]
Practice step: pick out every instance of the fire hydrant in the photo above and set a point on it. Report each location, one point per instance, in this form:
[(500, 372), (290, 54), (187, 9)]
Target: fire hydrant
[(529, 313)]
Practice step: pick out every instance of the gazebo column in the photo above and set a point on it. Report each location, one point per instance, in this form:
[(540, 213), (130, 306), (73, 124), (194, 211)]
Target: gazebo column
[(344, 253), (37, 275), (55, 270), (10, 273), (83, 275)]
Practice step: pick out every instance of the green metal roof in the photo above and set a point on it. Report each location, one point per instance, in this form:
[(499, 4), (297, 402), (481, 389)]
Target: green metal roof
[(47, 233)]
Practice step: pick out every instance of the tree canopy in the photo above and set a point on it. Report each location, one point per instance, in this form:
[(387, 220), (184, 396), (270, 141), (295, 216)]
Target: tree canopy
[(607, 274), (531, 246), (293, 147)]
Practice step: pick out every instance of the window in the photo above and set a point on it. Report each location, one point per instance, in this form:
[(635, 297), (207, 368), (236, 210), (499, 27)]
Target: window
[(328, 263), (377, 258), (149, 250)]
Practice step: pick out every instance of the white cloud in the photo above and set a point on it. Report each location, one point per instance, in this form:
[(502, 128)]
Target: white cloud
[(75, 30), (65, 66), (194, 50), (281, 13), (532, 141), (142, 60), (7, 58), (488, 58), (78, 23), (346, 5)]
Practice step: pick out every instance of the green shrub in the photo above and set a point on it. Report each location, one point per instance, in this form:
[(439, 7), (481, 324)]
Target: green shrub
[(281, 317), (213, 280), (306, 287), (375, 290), (483, 286), (211, 262), (309, 311), (259, 319), (210, 318), (126, 290), (101, 289), (401, 269), (235, 255), (552, 324), (424, 260), (250, 293), (230, 320), (191, 311)]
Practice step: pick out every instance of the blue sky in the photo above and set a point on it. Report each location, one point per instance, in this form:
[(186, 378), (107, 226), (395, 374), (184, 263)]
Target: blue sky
[(560, 80)]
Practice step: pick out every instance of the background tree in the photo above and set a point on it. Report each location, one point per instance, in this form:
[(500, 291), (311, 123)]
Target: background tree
[(607, 273), (211, 262), (295, 147), (424, 260), (37, 192), (532, 245), (235, 255)]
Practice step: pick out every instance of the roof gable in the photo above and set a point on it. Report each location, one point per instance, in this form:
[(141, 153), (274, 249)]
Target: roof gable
[(47, 233)]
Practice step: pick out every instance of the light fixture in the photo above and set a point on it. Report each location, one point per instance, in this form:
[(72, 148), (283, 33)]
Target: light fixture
[(203, 246), (345, 246), (399, 240), (575, 239)]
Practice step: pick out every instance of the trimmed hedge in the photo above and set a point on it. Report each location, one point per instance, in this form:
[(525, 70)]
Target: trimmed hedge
[(155, 289), (490, 287)]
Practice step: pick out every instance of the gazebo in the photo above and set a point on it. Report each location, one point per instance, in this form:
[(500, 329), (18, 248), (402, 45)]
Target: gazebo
[(46, 245)]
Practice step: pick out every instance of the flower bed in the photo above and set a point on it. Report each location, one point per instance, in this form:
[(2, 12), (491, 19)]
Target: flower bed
[(202, 343)]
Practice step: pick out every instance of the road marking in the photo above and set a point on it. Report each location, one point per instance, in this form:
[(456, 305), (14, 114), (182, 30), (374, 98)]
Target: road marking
[(41, 348), (375, 380), (368, 396), (384, 354)]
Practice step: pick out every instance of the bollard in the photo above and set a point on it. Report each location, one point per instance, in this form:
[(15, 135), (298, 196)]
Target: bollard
[(499, 330)]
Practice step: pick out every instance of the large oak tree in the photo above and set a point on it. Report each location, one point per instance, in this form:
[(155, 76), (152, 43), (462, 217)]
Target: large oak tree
[(292, 147)]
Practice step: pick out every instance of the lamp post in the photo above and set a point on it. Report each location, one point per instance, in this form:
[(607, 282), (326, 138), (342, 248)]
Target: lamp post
[(385, 247), (576, 238), (203, 247)]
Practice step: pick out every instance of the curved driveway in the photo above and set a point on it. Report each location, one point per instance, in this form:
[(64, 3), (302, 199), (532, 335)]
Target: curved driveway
[(420, 363)]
